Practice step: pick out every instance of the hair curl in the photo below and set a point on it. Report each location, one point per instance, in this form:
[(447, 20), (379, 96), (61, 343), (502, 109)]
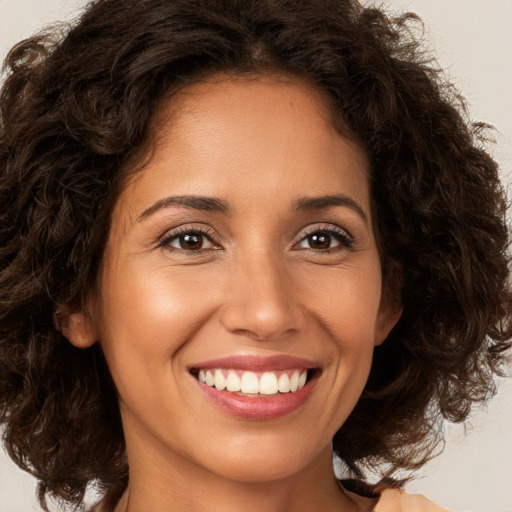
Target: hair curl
[(76, 108)]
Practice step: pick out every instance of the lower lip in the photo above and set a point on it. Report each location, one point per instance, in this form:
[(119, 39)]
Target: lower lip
[(258, 408)]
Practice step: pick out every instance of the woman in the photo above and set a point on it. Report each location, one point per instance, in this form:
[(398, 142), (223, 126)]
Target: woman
[(240, 235)]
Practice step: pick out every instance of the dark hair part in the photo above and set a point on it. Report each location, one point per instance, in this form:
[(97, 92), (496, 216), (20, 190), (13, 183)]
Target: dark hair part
[(75, 114)]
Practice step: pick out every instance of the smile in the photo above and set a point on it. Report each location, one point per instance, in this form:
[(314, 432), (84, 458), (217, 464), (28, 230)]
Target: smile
[(256, 384), (256, 388)]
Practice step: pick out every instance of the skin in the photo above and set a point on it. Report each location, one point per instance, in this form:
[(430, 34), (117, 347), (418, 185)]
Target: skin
[(258, 286)]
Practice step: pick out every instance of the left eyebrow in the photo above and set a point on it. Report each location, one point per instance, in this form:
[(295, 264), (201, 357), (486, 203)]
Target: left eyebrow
[(317, 203), (209, 204)]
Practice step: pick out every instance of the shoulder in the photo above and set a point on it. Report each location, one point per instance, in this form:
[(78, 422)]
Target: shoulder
[(388, 500), (393, 500)]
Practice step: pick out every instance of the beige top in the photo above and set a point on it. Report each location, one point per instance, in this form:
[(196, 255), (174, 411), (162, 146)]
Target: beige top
[(393, 500)]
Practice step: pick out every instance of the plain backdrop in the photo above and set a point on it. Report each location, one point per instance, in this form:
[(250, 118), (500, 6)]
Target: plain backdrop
[(473, 42)]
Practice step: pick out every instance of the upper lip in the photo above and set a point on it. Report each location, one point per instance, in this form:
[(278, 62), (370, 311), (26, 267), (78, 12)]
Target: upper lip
[(256, 363)]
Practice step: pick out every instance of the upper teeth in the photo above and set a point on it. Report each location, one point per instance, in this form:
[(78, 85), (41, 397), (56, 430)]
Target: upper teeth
[(266, 383)]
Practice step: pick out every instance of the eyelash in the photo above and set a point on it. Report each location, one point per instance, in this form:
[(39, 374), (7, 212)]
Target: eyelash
[(340, 235)]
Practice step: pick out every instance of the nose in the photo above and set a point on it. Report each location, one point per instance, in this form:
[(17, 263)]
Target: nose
[(261, 299)]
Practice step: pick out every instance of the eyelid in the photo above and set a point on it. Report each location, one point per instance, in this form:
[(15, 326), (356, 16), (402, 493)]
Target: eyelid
[(324, 226)]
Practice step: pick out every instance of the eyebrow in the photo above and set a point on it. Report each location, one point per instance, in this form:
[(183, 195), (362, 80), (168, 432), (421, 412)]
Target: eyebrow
[(317, 203), (213, 204), (208, 204)]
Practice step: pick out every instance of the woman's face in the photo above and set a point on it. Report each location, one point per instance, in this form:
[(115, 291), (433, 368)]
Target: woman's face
[(242, 255)]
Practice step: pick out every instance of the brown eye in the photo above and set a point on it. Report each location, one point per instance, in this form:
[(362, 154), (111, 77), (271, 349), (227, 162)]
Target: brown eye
[(319, 241), (191, 241)]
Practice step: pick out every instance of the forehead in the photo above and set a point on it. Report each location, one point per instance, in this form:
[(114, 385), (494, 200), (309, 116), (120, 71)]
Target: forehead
[(250, 136), (241, 93)]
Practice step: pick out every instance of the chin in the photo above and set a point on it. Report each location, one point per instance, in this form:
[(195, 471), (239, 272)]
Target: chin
[(266, 460)]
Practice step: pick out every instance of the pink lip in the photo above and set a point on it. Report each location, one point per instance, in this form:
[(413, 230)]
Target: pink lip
[(258, 408), (255, 363)]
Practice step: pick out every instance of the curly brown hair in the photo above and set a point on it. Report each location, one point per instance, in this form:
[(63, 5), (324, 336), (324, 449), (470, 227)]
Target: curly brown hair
[(76, 109)]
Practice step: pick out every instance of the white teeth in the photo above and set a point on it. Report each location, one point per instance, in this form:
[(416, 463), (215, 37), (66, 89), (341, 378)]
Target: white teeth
[(294, 381), (248, 382), (284, 383), (209, 379), (233, 381), (302, 379), (219, 380), (268, 384)]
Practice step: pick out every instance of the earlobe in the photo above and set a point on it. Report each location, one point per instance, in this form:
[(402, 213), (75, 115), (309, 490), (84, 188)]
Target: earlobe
[(75, 323)]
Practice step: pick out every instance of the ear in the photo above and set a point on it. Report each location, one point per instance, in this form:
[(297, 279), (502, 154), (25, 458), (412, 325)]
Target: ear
[(390, 308), (76, 324)]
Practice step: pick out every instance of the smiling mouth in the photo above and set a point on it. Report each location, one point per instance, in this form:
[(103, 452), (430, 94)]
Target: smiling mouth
[(254, 384)]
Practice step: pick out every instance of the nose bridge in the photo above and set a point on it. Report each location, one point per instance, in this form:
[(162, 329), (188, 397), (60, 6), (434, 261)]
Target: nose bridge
[(260, 299)]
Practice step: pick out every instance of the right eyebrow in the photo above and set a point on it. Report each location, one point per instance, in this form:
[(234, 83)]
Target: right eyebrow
[(209, 204), (318, 203)]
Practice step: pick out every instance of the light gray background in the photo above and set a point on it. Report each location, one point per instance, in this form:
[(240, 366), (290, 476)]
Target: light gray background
[(473, 41)]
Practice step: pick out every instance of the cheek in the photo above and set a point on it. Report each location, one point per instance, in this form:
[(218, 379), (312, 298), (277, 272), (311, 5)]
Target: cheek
[(148, 317), (348, 310), (347, 302)]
